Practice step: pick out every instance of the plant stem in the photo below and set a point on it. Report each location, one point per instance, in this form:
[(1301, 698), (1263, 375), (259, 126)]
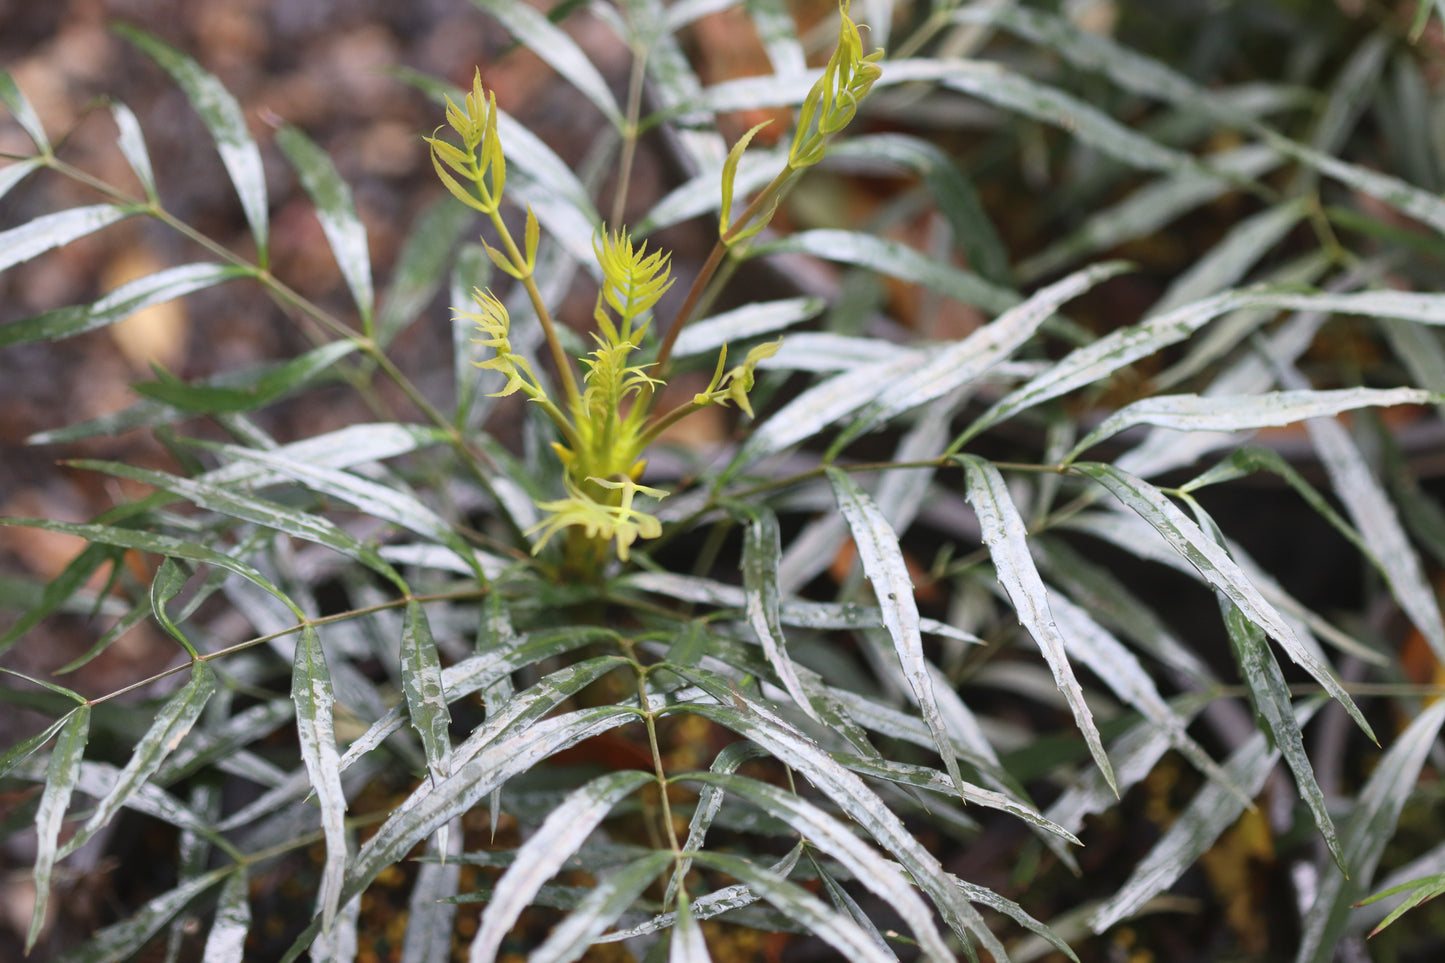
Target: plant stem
[(651, 719), (529, 281), (694, 294), (629, 134)]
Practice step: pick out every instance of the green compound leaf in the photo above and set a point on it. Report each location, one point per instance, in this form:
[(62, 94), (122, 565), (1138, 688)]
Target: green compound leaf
[(315, 700), (223, 117), (20, 244), (336, 209)]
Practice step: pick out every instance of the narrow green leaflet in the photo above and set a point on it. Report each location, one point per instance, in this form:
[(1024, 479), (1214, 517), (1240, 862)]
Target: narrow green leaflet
[(431, 920), (748, 321), (1270, 697), (713, 904), (948, 187), (237, 504), (1212, 810), (23, 113), (921, 777), (431, 805), (133, 145), (883, 564), (172, 722), (60, 777), (1004, 535), (1218, 569), (1244, 412), (856, 800), (121, 940), (558, 50), (266, 386), (421, 679), (833, 927), (832, 836), (687, 944), (1371, 825), (1379, 524), (17, 754), (1106, 657), (709, 803), (421, 266), (761, 549), (1095, 362), (315, 708), (818, 407), (609, 899), (961, 363), (380, 501), (223, 117), (16, 171), (20, 244), (844, 902), (542, 855), (994, 84), (226, 942), (343, 448), (151, 542), (1150, 209), (61, 589), (336, 209), (897, 260), (1233, 257), (119, 304)]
